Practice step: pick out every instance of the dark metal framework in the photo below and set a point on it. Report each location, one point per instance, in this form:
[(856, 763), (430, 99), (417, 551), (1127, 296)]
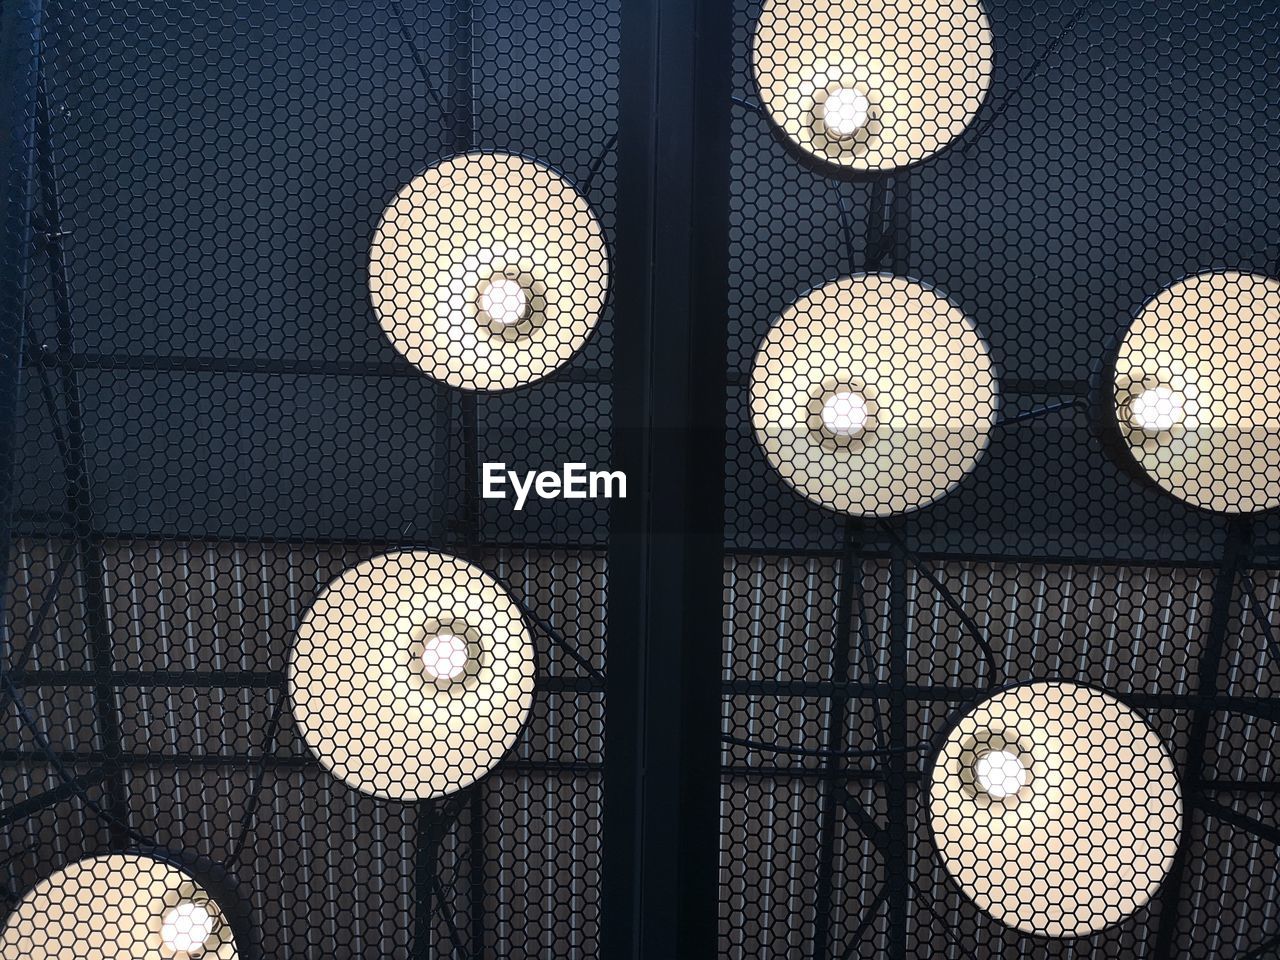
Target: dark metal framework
[(667, 549)]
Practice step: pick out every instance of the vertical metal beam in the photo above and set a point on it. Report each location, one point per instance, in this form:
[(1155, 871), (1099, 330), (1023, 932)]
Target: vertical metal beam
[(661, 836), (897, 885), (463, 533), (21, 37), (832, 785), (78, 493), (1239, 537), (888, 232)]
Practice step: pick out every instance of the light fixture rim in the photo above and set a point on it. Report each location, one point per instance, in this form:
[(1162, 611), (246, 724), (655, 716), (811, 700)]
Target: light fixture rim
[(605, 311), (762, 441), (838, 171), (938, 741), (520, 627), (1105, 412)]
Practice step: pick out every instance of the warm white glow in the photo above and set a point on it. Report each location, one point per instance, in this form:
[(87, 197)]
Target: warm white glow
[(445, 657), (1157, 409), (186, 929), (845, 414), (1000, 774), (845, 112), (504, 301)]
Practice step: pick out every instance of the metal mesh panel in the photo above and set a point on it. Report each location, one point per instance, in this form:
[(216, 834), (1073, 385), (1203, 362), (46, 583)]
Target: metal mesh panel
[(1108, 157), (990, 556), (212, 427)]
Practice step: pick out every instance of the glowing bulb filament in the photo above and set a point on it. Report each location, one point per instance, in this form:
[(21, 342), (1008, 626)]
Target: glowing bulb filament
[(445, 656), (1157, 409), (504, 301), (1000, 774), (845, 112), (186, 929), (845, 414)]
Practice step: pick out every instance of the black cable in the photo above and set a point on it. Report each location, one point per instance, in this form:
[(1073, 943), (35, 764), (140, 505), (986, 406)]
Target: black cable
[(947, 597), (398, 12), (1039, 412), (598, 163), (975, 132), (846, 225), (260, 774), (558, 640)]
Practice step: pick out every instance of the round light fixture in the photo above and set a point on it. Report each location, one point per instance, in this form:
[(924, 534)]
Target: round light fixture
[(1196, 391), (118, 907), (866, 85), (1055, 808), (411, 675), (488, 271), (873, 395)]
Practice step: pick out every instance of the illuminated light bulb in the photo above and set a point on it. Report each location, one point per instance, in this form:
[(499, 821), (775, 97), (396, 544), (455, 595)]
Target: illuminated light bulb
[(1000, 774), (504, 301), (845, 112), (186, 929), (845, 414), (1157, 409), (445, 657)]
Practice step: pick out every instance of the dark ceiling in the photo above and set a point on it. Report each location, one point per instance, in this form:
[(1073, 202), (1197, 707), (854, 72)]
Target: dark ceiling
[(210, 426)]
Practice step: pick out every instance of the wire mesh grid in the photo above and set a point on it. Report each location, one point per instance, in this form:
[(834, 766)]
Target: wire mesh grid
[(1117, 151), (211, 428)]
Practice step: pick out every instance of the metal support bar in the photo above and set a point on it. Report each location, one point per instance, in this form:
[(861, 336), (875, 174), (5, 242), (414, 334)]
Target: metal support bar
[(1235, 554), (78, 496), (661, 827), (1268, 832), (20, 811), (833, 789), (21, 39), (898, 833)]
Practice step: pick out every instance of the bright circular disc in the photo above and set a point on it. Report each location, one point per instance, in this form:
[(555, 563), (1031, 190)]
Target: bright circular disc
[(925, 385), (478, 230), (114, 908), (1197, 391), (1091, 833), (923, 67), (364, 699)]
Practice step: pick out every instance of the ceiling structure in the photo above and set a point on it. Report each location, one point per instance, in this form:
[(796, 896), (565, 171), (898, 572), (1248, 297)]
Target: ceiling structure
[(214, 423)]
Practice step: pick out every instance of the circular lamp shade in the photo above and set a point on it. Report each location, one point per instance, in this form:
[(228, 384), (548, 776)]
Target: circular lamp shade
[(1197, 391), (118, 907), (1055, 808), (868, 85), (873, 395), (411, 675), (488, 271)]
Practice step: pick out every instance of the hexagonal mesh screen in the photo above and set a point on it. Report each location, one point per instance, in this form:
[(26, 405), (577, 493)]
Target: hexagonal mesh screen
[(1001, 577), (259, 622), (1007, 694)]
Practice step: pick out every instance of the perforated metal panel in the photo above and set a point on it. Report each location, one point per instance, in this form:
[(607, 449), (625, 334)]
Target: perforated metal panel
[(1119, 149), (212, 427), (203, 425)]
